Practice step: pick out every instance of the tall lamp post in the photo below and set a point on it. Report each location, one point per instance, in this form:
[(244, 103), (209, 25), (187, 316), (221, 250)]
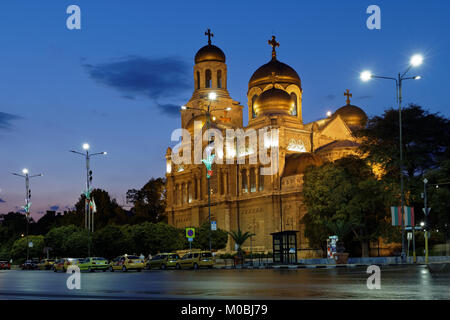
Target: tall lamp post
[(415, 61), (208, 162), (88, 217), (27, 206)]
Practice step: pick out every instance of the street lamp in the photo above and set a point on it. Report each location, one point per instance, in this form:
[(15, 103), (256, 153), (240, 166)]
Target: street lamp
[(88, 220), (27, 206), (415, 61), (211, 97)]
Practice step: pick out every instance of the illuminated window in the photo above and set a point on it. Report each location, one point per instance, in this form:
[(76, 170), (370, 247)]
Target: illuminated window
[(294, 110), (253, 102)]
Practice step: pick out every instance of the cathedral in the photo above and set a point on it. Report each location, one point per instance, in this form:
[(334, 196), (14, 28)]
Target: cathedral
[(237, 194)]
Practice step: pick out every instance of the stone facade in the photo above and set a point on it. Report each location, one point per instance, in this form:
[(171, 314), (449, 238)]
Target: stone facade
[(241, 196)]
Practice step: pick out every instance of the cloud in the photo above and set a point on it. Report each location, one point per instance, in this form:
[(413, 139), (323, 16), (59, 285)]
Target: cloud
[(2, 201), (152, 78), (54, 208), (330, 96), (6, 119), (168, 109)]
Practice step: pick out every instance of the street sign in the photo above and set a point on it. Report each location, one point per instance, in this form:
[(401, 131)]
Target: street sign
[(190, 233), (213, 225), (426, 213), (410, 228), (190, 239), (409, 236), (30, 244)]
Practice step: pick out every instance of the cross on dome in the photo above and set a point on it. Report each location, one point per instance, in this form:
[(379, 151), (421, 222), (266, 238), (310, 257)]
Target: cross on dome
[(274, 44)]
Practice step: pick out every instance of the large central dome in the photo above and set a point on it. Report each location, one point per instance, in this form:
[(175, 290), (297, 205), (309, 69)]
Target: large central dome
[(282, 72), (274, 101)]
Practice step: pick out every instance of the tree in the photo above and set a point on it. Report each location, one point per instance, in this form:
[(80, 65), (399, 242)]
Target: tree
[(110, 242), (345, 197), (108, 211), (219, 238), (57, 237), (149, 202), (426, 137), (76, 244), (240, 238), (19, 248)]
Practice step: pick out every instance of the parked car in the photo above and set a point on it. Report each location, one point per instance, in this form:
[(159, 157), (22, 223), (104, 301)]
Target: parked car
[(46, 264), (5, 265), (126, 262), (93, 263), (63, 263), (163, 261), (30, 264), (195, 260)]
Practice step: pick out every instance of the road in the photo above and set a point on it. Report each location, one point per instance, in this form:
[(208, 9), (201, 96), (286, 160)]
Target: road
[(397, 282)]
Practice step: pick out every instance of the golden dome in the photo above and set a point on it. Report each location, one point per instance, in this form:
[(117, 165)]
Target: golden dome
[(209, 53), (352, 115), (298, 162), (274, 101), (265, 74)]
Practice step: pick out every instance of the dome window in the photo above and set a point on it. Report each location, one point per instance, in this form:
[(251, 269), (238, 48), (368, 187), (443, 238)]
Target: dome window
[(219, 78), (208, 79)]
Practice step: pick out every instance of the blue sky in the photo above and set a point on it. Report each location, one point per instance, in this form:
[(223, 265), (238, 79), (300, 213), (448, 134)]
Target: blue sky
[(116, 82)]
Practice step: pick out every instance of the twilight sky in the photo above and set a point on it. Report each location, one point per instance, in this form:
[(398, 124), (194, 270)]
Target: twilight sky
[(117, 83)]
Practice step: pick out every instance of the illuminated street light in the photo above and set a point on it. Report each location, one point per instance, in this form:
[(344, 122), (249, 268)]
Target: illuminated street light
[(212, 96), (329, 113), (366, 76), (415, 61), (88, 217), (27, 206)]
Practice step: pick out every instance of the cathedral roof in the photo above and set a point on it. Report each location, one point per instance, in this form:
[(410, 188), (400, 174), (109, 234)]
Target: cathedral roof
[(274, 68), (298, 162), (352, 115), (209, 52), (273, 101), (338, 145), (274, 71)]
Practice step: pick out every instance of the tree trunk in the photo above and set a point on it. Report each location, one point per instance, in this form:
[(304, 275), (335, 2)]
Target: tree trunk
[(365, 248)]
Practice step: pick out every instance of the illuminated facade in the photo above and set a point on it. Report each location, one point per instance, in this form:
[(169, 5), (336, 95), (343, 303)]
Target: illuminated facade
[(242, 197)]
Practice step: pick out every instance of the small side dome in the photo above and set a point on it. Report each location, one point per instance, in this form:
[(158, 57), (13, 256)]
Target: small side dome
[(274, 101), (209, 53), (352, 115), (298, 162)]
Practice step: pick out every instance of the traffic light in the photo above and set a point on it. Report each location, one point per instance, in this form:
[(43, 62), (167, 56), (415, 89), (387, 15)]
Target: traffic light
[(29, 193), (90, 176)]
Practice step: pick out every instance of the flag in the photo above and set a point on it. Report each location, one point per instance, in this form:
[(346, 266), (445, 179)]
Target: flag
[(93, 206), (396, 216), (409, 217)]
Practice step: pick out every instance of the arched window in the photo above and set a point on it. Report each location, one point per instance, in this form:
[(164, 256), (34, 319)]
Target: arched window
[(208, 79), (261, 180), (294, 110), (244, 181), (252, 180), (219, 78), (253, 102), (198, 80)]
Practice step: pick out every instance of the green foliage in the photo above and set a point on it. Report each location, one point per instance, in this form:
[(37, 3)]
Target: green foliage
[(56, 239), (149, 202), (219, 238), (239, 238), (76, 244), (19, 248), (110, 242), (344, 198)]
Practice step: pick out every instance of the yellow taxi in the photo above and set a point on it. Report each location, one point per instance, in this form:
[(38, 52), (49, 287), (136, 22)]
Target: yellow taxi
[(127, 262), (163, 261), (64, 263), (196, 260), (46, 264)]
